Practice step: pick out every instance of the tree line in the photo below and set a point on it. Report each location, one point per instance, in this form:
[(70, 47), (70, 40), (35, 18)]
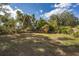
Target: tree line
[(57, 23)]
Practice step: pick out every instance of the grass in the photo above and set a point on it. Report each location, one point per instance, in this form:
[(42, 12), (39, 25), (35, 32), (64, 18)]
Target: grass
[(69, 39), (54, 35), (70, 42)]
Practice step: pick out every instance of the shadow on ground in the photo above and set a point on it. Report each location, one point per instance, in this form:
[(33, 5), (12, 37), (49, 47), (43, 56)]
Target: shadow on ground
[(28, 44)]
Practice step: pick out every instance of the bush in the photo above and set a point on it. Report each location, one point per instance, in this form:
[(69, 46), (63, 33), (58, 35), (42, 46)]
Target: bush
[(76, 34), (65, 30), (28, 29), (3, 30)]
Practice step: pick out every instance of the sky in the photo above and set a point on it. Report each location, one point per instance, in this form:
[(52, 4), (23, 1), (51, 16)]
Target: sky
[(44, 10), (33, 8)]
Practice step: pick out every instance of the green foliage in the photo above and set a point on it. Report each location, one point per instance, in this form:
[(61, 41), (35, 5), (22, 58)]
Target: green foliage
[(2, 28), (58, 23), (53, 25), (66, 19), (65, 30), (41, 23), (76, 34), (33, 22), (9, 26)]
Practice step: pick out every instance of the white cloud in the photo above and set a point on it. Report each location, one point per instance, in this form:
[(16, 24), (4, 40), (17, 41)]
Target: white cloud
[(62, 5), (59, 8), (55, 11), (19, 10), (41, 11), (10, 10)]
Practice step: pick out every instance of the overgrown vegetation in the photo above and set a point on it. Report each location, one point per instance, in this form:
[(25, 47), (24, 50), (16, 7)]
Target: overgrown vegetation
[(60, 23), (40, 35)]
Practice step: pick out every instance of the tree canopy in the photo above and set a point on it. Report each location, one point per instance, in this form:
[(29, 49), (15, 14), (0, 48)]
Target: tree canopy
[(25, 21)]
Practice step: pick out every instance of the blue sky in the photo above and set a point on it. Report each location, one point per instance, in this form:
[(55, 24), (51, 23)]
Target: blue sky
[(45, 9)]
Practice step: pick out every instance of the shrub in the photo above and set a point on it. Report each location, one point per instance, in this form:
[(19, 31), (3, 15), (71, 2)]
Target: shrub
[(23, 30), (65, 30), (76, 34)]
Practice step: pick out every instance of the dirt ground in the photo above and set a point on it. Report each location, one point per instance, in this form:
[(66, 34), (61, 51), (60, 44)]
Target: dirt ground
[(28, 44)]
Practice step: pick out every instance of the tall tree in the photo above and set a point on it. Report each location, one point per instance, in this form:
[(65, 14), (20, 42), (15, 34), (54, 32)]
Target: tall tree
[(19, 18), (41, 23), (33, 22), (65, 19), (26, 21)]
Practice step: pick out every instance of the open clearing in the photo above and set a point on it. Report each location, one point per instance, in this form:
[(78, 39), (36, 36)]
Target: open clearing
[(38, 44)]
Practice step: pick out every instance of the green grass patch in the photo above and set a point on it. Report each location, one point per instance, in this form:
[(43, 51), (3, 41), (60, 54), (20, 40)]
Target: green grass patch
[(66, 39), (70, 42), (54, 35)]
